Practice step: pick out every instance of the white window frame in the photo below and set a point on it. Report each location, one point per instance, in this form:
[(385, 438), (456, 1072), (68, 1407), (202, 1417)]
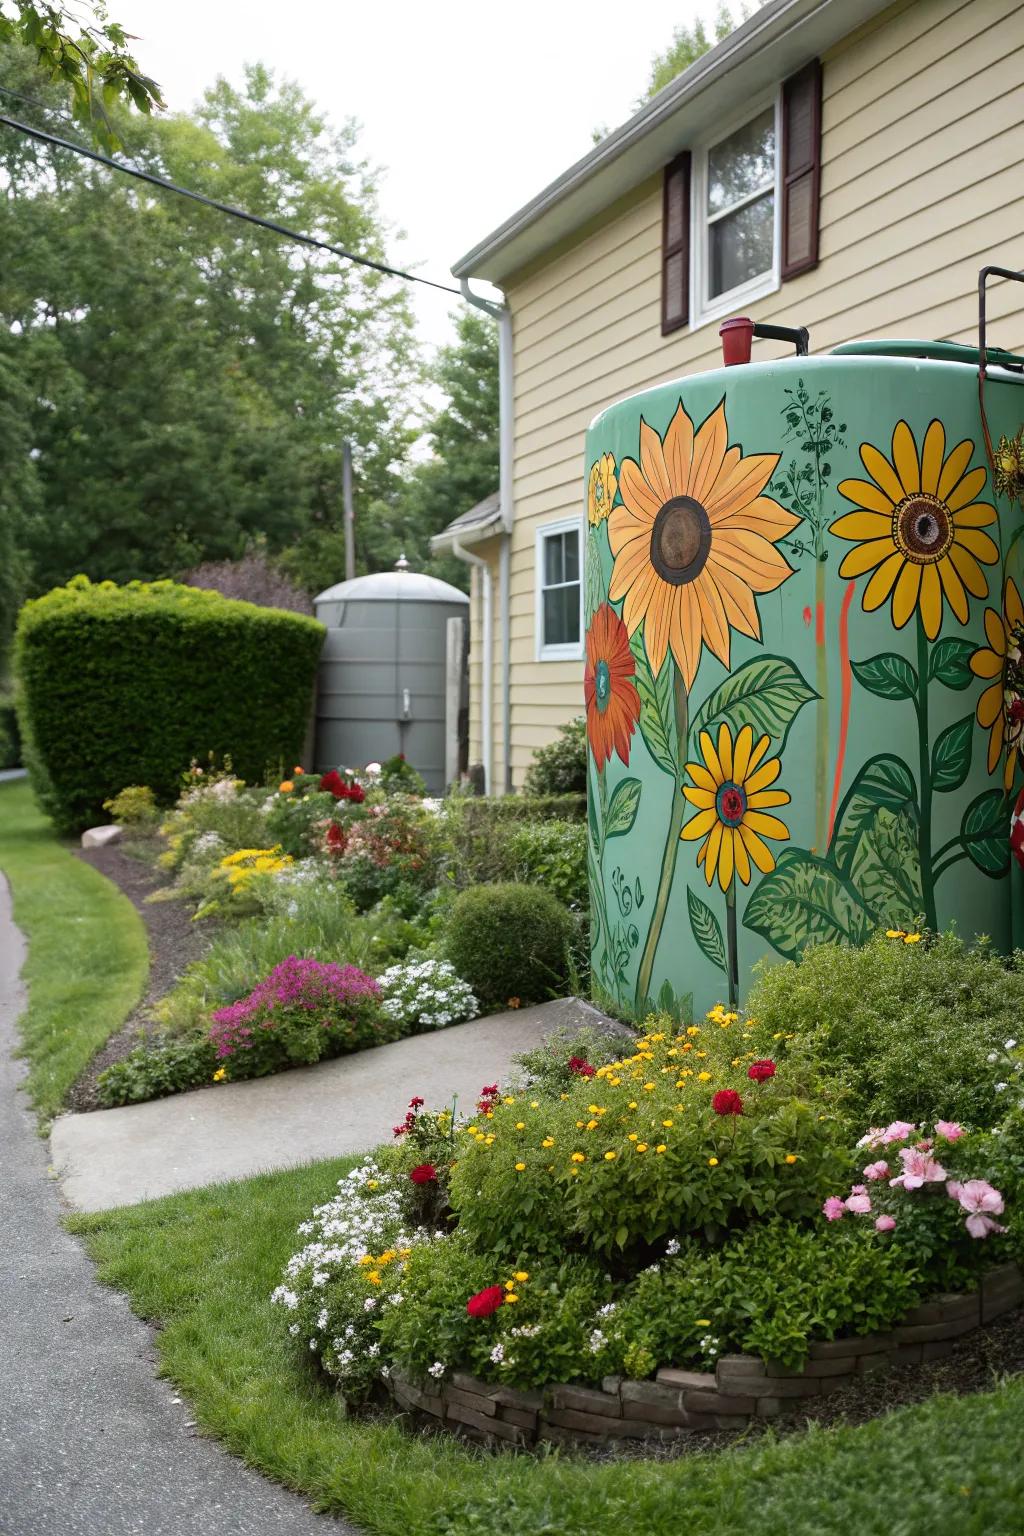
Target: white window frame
[(567, 652), (702, 309)]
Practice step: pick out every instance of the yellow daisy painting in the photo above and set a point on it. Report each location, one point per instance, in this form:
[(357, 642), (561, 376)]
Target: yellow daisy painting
[(733, 795), (998, 710), (694, 541), (918, 528)]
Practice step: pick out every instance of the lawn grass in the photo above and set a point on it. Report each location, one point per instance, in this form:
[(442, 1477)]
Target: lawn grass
[(202, 1265), (88, 958)]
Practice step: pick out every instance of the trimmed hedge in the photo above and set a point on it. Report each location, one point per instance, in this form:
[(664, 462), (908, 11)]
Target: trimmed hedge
[(126, 685), (510, 941), (479, 831)]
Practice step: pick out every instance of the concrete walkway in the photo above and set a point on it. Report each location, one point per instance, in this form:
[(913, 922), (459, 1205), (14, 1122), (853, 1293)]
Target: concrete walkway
[(121, 1156), (91, 1443)]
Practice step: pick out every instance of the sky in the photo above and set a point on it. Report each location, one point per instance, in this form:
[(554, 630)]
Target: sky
[(468, 108)]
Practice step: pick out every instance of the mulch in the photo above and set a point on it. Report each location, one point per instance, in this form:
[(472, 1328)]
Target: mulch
[(174, 942)]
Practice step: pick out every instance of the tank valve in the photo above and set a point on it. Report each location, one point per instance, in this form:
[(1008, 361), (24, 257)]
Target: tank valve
[(737, 335), (406, 704)]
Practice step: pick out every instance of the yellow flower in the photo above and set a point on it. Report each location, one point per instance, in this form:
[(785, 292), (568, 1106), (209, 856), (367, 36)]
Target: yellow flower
[(286, 786), (220, 1074), (895, 933), (601, 489), (703, 1077), (593, 1109), (520, 1125), (918, 528), (610, 1157), (372, 1183), (522, 1275), (579, 1157), (632, 1136), (661, 1147), (374, 1277), (666, 1122), (790, 1157), (712, 1162), (548, 1141), (641, 1146), (694, 541), (510, 1285), (632, 1104), (535, 1103), (520, 1167), (732, 793), (702, 1322), (989, 663), (592, 1125), (912, 938), (510, 1297), (693, 1029), (471, 1129), (648, 1087)]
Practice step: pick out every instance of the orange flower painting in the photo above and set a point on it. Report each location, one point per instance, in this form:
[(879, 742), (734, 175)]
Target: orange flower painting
[(613, 704), (694, 541)]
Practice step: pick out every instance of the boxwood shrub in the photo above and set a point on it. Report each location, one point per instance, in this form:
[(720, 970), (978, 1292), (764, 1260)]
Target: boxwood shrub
[(125, 685), (510, 941)]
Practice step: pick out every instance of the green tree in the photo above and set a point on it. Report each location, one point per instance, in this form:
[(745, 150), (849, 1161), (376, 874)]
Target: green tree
[(691, 43), (89, 55), (191, 379)]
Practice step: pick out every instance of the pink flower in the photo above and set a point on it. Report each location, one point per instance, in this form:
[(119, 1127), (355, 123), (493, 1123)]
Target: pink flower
[(884, 1223), (879, 1170), (899, 1130), (860, 1205), (918, 1168), (949, 1130), (872, 1137), (978, 1198), (834, 1208), (925, 1144)]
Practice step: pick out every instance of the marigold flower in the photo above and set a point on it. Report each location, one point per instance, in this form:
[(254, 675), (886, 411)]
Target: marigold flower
[(579, 1157), (486, 1301), (712, 1162), (790, 1157), (220, 1074), (912, 938), (511, 1296), (641, 1146), (727, 1102), (661, 1147), (610, 1157), (703, 1077), (520, 1125), (548, 1141), (522, 1275), (895, 933), (520, 1167), (285, 786)]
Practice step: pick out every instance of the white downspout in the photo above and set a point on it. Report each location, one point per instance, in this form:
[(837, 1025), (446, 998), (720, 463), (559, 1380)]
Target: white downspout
[(486, 723), (506, 466)]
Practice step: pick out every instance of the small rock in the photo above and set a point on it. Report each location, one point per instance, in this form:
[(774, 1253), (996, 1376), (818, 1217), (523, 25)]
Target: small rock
[(101, 837)]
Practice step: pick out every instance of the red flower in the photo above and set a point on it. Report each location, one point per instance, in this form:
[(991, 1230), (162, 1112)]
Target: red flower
[(1017, 829), (581, 1067), (406, 1125), (485, 1302), (417, 1102), (727, 1102), (425, 1173), (758, 1071), (336, 838), (333, 784), (489, 1093)]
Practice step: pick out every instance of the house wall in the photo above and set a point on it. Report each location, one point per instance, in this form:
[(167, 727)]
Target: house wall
[(922, 152)]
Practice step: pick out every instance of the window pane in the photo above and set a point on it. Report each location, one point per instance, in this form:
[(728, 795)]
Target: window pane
[(742, 163), (740, 245), (571, 556), (554, 561), (562, 615)]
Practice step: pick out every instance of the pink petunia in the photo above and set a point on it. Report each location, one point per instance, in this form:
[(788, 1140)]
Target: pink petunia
[(949, 1130), (899, 1130), (860, 1205), (879, 1170), (834, 1208), (918, 1168), (884, 1223), (981, 1202)]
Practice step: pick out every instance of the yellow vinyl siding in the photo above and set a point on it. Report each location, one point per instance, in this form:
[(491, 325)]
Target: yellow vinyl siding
[(922, 153)]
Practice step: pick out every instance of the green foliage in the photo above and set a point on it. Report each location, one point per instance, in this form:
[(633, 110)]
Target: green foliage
[(509, 941), (908, 1026), (689, 44), (477, 830), (153, 1072), (393, 853), (10, 736), (398, 777), (134, 806), (552, 854), (545, 1069), (127, 684), (297, 822), (560, 768)]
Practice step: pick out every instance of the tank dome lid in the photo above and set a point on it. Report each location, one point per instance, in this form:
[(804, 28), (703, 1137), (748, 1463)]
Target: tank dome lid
[(399, 586)]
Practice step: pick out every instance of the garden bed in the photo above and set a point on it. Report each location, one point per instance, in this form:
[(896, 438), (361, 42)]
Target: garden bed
[(679, 1404)]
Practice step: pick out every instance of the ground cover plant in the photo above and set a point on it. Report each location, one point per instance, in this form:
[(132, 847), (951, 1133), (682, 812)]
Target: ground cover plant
[(201, 1265), (87, 961)]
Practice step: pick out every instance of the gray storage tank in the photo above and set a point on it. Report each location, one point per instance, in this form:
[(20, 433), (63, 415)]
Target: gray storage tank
[(389, 672)]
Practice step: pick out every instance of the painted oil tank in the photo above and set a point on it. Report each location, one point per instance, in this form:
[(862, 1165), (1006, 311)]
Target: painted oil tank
[(802, 584), (381, 686)]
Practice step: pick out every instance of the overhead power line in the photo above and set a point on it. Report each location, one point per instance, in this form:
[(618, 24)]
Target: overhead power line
[(56, 142)]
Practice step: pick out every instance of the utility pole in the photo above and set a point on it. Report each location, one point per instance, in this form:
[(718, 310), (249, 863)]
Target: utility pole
[(350, 524)]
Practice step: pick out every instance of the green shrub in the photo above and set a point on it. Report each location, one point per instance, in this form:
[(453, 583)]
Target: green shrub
[(214, 817), (134, 806), (509, 941), (546, 1069), (552, 854), (560, 768), (128, 684), (297, 823), (909, 1026), (477, 831), (154, 1071), (394, 852), (10, 736), (398, 777)]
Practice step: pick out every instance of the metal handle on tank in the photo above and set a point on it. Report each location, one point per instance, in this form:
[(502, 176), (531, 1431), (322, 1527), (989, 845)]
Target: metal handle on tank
[(799, 335), (983, 277)]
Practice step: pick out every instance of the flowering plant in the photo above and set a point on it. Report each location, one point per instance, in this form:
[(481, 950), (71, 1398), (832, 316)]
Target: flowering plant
[(343, 788), (392, 850), (302, 1011), (426, 995)]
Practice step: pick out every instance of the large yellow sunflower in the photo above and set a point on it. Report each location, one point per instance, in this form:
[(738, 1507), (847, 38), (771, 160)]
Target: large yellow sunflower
[(999, 710), (732, 795), (694, 540), (918, 529)]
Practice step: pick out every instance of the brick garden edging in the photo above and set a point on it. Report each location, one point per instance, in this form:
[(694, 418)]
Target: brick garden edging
[(739, 1389)]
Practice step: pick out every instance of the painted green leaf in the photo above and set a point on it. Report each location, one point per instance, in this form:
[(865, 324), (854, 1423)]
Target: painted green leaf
[(804, 898), (593, 824), (985, 832), (886, 868), (888, 676), (882, 781), (767, 693), (706, 930), (622, 807), (951, 755), (593, 586), (950, 662), (657, 723)]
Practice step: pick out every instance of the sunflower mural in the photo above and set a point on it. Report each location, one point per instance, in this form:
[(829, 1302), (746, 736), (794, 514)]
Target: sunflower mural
[(805, 707)]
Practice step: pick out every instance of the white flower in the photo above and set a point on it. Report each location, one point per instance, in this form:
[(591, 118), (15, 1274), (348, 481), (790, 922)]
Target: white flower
[(437, 1369), (1011, 1045), (1001, 1087), (597, 1341), (992, 1056), (672, 1247), (369, 1304), (607, 1309), (498, 1354), (293, 1329), (373, 1351)]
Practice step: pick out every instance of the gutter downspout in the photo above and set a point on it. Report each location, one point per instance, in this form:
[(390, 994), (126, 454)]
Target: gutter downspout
[(486, 723), (506, 446)]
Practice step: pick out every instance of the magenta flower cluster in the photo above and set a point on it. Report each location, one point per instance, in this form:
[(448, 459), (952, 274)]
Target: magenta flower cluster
[(918, 1167), (312, 986)]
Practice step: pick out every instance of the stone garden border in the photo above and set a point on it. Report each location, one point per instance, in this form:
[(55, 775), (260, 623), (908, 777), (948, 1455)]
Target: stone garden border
[(740, 1389)]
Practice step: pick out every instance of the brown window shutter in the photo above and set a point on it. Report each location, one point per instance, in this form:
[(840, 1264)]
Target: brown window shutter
[(675, 245), (801, 169)]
